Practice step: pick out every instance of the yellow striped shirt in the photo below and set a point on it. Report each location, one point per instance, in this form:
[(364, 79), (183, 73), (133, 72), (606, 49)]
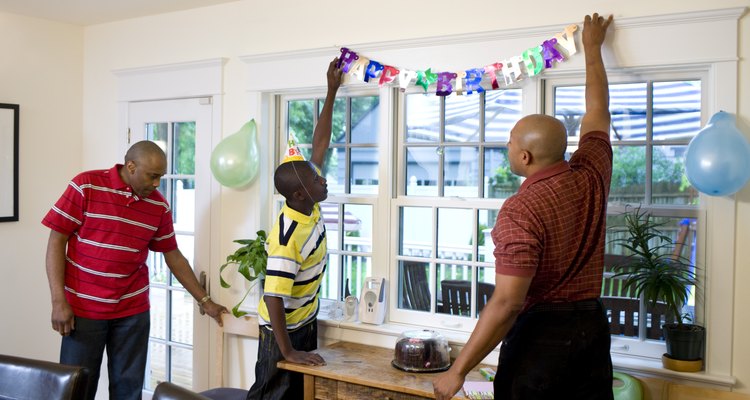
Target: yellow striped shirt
[(297, 253)]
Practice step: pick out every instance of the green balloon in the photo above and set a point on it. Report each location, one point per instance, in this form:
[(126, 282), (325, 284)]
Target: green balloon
[(234, 161)]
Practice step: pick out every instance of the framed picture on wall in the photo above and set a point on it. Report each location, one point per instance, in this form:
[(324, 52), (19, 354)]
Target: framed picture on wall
[(9, 116)]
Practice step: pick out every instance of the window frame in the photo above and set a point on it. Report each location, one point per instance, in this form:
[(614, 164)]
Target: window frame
[(677, 42)]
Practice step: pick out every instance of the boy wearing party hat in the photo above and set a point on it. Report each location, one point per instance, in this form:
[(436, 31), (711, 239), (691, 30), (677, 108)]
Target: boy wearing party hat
[(297, 255)]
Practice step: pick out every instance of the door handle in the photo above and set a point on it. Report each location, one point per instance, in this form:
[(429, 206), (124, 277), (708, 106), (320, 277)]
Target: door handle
[(202, 281)]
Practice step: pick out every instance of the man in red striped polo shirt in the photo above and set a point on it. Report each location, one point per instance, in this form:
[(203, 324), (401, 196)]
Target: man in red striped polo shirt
[(109, 220), (549, 258)]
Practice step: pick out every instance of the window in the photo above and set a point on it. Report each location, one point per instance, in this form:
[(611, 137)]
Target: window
[(351, 171), (452, 176), (653, 121)]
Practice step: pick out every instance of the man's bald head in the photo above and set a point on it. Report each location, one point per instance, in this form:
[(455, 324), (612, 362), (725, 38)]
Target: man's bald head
[(144, 150), (543, 136)]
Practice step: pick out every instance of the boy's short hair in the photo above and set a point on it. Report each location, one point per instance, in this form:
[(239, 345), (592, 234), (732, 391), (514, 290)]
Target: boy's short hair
[(287, 176)]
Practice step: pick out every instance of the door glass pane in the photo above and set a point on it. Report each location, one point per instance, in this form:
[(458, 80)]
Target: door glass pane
[(461, 171), (156, 370), (454, 234), (422, 118), (422, 171), (183, 204), (184, 148), (182, 318), (416, 232), (157, 132), (186, 244), (182, 367), (158, 299)]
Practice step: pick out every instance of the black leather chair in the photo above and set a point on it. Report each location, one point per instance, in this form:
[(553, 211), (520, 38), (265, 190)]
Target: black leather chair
[(24, 378), (170, 391)]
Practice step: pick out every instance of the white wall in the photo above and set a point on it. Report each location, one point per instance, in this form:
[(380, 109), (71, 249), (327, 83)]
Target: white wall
[(231, 31), (41, 69)]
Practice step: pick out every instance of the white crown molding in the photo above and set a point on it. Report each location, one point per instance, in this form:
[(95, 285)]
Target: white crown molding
[(734, 13)]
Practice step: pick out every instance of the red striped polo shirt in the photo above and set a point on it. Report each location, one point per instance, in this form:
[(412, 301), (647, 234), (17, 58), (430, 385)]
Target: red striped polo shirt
[(111, 232), (553, 229)]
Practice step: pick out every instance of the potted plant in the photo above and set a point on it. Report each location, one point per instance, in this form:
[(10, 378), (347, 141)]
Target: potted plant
[(250, 260), (658, 275)]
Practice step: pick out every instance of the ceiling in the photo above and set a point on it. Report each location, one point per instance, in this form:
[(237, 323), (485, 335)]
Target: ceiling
[(90, 12)]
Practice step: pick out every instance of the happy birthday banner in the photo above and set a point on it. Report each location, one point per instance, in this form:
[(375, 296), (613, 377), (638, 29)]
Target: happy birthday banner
[(534, 60)]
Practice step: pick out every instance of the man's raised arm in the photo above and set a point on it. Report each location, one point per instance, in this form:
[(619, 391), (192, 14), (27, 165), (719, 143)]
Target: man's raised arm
[(597, 117)]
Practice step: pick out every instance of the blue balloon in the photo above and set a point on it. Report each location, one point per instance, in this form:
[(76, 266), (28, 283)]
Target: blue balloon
[(717, 161)]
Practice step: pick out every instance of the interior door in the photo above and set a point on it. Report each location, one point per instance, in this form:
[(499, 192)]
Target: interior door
[(178, 343)]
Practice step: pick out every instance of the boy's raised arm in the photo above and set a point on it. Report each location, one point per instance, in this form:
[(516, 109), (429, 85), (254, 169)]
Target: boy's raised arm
[(322, 134)]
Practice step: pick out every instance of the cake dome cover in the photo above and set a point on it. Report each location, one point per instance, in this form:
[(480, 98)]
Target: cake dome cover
[(422, 351)]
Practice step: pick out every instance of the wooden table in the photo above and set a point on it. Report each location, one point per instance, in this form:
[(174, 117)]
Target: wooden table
[(358, 371)]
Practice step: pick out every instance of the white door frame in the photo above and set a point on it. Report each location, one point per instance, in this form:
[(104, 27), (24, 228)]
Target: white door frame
[(201, 78)]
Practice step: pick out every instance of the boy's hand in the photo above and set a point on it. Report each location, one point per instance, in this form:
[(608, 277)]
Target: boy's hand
[(303, 357), (334, 75)]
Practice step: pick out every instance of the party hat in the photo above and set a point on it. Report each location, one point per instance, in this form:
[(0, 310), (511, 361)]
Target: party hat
[(292, 152)]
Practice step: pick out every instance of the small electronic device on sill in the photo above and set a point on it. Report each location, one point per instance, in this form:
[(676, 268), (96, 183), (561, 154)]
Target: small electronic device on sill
[(372, 304)]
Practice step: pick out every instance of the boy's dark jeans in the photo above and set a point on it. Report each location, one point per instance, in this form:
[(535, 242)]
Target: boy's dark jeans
[(557, 353), (270, 381)]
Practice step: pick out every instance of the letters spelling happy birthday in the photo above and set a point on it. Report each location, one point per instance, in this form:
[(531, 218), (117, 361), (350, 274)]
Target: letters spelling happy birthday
[(531, 62)]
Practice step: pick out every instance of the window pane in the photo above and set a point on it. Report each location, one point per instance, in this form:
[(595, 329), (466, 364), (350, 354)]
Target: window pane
[(364, 170), (461, 171), (485, 223), (413, 286), (333, 169), (329, 288), (182, 317), (454, 295), (300, 120), (338, 122), (502, 110), (485, 287), (422, 171), (677, 110), (569, 107), (332, 221), (455, 234), (358, 228), (416, 232), (158, 299), (500, 182), (628, 175), (356, 269), (422, 118), (462, 118), (365, 119), (670, 185), (627, 103), (184, 148)]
